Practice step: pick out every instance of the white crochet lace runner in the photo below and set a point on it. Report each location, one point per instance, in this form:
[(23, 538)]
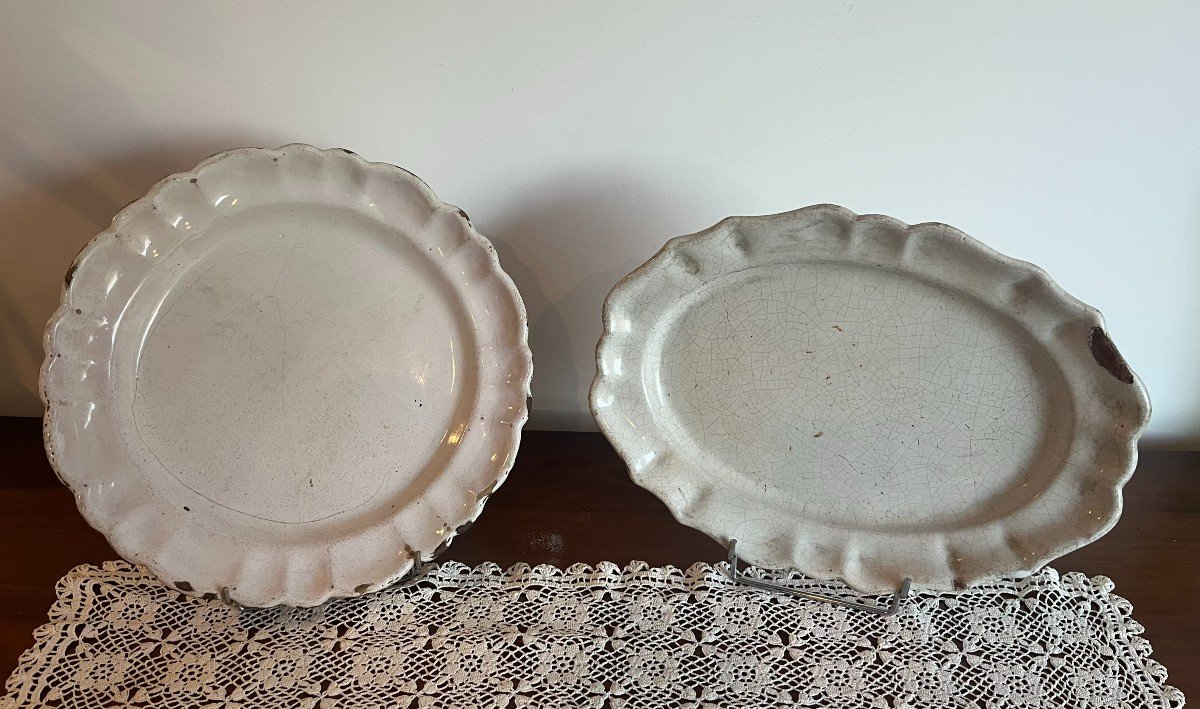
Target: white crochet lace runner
[(601, 636)]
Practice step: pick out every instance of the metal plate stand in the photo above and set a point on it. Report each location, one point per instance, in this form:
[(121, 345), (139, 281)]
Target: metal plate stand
[(892, 608)]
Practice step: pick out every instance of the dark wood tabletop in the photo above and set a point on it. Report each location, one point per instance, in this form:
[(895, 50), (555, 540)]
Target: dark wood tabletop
[(570, 500)]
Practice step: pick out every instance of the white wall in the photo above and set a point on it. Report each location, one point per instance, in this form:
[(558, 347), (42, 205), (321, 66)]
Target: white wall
[(580, 138)]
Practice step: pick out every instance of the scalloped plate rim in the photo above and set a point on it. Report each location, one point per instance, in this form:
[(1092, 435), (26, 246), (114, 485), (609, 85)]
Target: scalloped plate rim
[(619, 437)]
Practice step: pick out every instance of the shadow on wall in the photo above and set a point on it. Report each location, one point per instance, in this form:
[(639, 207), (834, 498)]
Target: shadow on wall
[(45, 226), (566, 241)]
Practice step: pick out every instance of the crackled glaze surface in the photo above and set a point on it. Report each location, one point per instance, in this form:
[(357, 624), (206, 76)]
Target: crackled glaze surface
[(288, 373), (862, 399)]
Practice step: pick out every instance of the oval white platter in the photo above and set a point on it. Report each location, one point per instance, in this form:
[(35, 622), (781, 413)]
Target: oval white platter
[(862, 399), (286, 375)]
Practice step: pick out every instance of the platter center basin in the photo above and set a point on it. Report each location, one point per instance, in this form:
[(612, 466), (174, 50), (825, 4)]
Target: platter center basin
[(855, 396), (300, 337)]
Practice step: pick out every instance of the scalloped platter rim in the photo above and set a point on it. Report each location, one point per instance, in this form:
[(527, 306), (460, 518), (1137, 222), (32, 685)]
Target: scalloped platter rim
[(857, 398), (284, 376)]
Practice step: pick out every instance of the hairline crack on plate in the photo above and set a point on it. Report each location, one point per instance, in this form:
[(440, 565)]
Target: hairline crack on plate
[(862, 399), (287, 375)]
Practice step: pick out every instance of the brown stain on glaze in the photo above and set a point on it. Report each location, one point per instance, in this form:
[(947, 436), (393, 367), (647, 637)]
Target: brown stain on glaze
[(71, 274), (1106, 355)]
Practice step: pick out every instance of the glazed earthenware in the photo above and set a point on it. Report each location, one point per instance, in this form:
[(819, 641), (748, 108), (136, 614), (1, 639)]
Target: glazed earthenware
[(285, 375), (858, 398)]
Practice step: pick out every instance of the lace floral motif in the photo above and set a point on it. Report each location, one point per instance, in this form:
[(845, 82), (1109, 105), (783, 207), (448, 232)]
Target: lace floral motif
[(131, 613), (601, 636), (284, 668), (102, 673)]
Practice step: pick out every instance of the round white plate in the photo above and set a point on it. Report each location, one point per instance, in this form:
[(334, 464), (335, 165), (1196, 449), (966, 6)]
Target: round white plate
[(862, 399), (288, 374)]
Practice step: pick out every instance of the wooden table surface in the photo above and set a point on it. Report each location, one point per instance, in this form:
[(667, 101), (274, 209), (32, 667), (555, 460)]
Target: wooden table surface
[(570, 500)]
